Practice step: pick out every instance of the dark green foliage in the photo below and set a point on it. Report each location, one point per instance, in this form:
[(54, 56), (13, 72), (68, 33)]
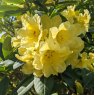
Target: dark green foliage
[(4, 84), (43, 86)]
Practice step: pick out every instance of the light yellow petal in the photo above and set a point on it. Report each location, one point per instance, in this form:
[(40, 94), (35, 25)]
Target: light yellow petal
[(15, 41), (21, 50), (27, 68), (60, 66), (36, 63), (37, 73), (48, 22), (54, 31), (24, 58), (69, 13), (48, 70)]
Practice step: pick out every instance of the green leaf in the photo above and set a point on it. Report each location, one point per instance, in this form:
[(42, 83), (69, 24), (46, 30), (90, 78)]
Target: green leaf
[(65, 2), (7, 62), (43, 86), (4, 86), (12, 13), (79, 88), (7, 48), (69, 76), (1, 14), (0, 59), (41, 1), (2, 69), (7, 44), (14, 1), (6, 65), (1, 54), (17, 64), (8, 8), (23, 89), (88, 79), (24, 86)]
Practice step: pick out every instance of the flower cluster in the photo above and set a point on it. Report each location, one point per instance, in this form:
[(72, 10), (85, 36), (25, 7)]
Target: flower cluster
[(48, 45)]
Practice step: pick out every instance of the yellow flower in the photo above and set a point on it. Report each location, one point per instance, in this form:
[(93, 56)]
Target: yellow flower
[(16, 41), (25, 57), (65, 37), (30, 28), (69, 13), (50, 62), (48, 22), (28, 34), (21, 50), (77, 19), (37, 73), (84, 19), (26, 37), (48, 45), (72, 60), (91, 57), (27, 68), (76, 45), (53, 62), (85, 62), (51, 58)]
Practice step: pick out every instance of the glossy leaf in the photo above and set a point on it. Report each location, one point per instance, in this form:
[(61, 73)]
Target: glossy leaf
[(7, 8), (17, 64), (14, 1), (24, 86), (2, 69), (25, 89), (43, 86), (4, 83), (1, 54), (7, 62), (7, 48)]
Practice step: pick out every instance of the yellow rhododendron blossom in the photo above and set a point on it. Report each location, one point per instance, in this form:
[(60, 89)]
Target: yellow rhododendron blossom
[(77, 19), (38, 73), (48, 22), (47, 45), (84, 18), (91, 56), (27, 68), (69, 13), (54, 62), (24, 58), (51, 59), (16, 41), (31, 27), (85, 62)]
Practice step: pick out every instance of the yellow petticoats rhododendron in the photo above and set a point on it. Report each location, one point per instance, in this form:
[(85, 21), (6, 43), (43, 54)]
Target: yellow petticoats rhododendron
[(48, 45), (51, 58), (77, 19), (70, 13), (86, 61)]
